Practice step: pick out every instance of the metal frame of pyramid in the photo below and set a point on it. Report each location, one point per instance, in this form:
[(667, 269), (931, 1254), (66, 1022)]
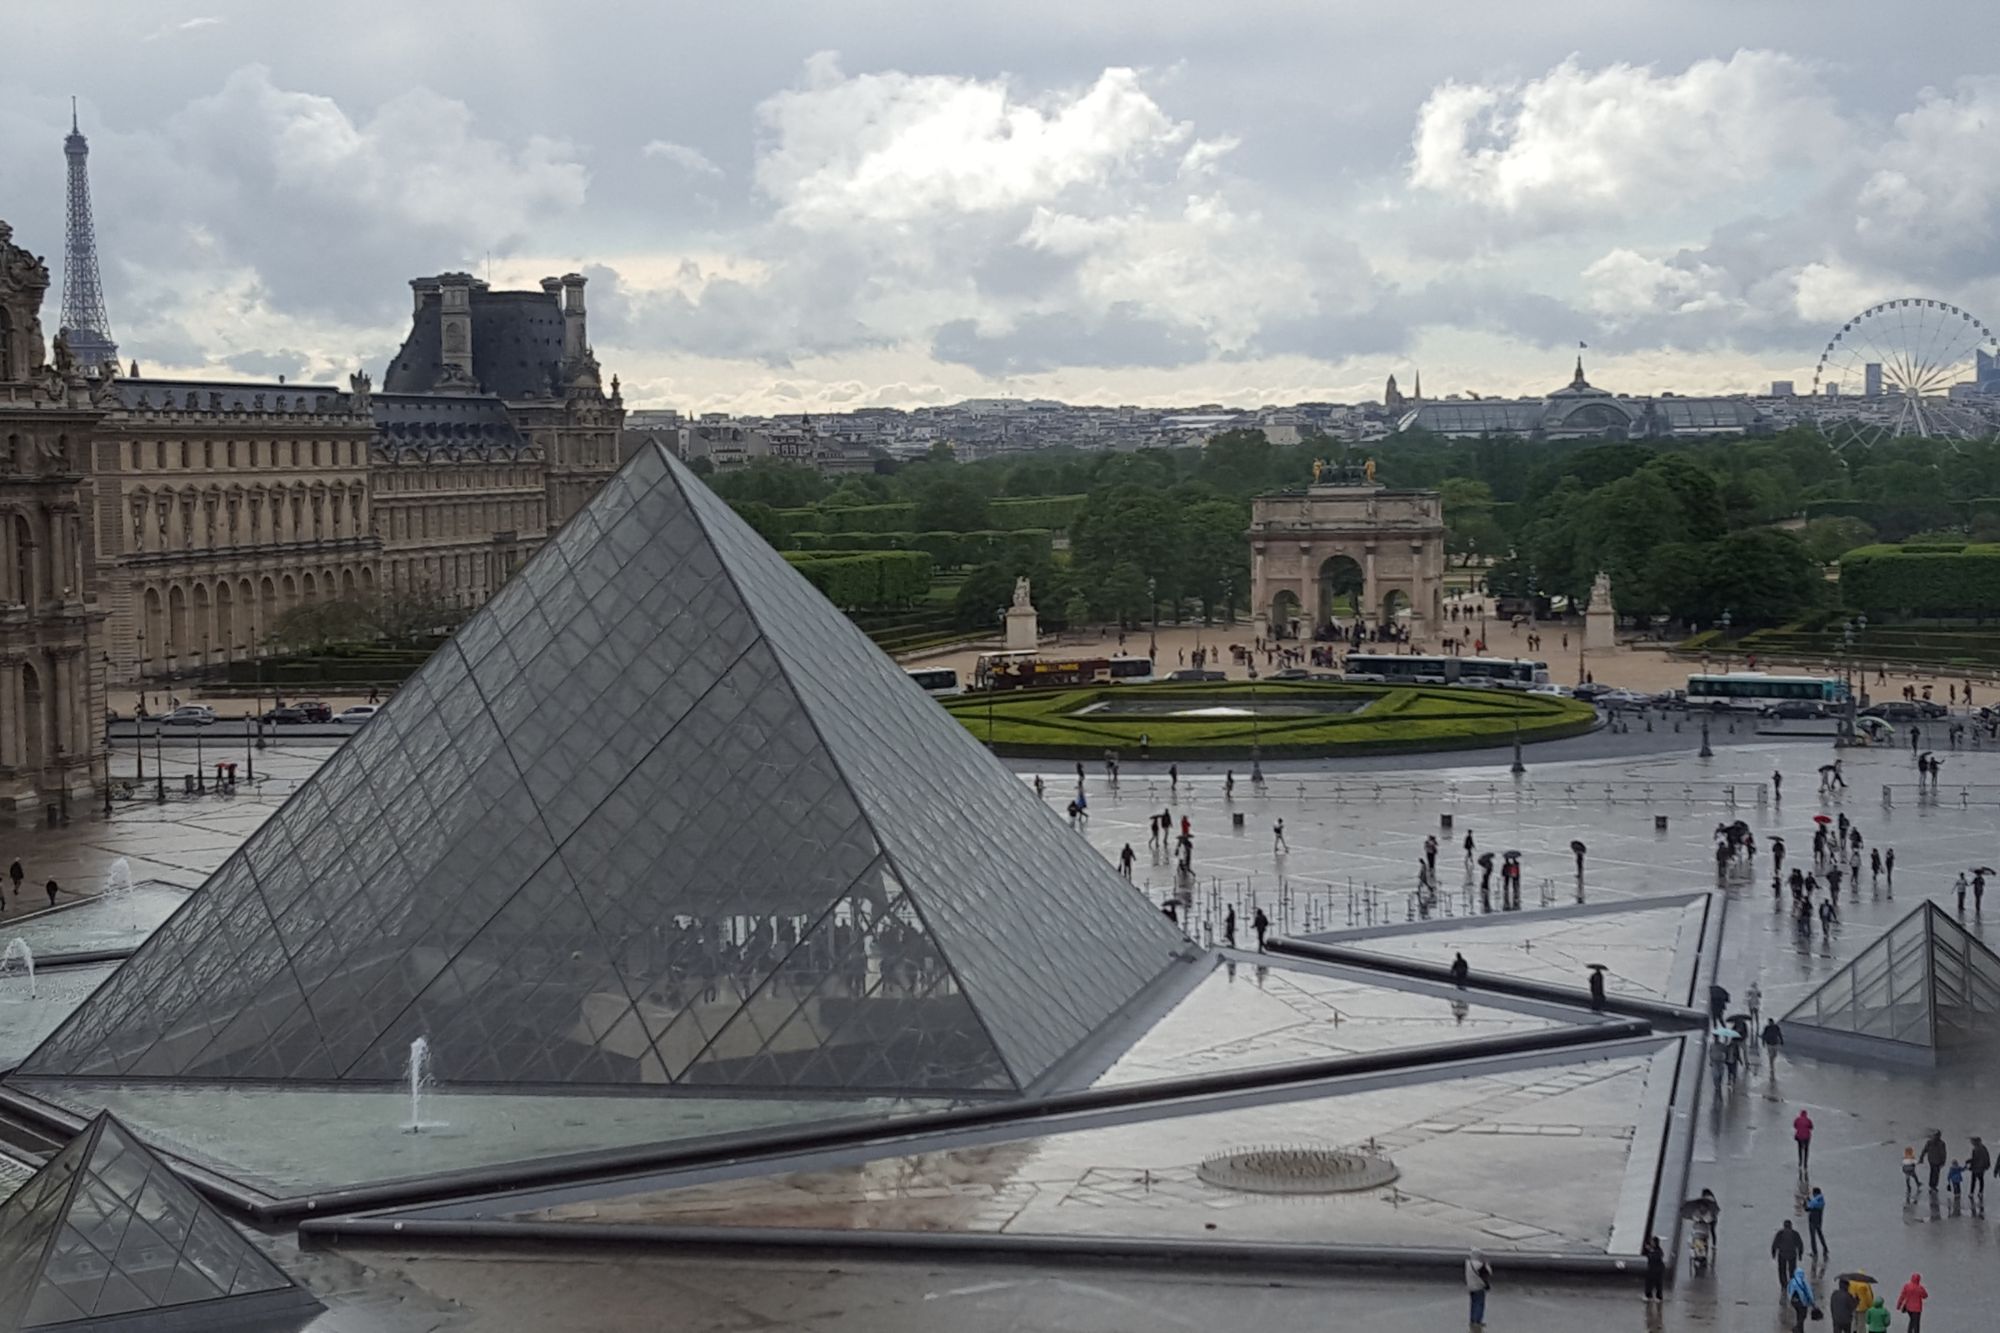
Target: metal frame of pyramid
[(106, 1236), (658, 817), (1915, 991)]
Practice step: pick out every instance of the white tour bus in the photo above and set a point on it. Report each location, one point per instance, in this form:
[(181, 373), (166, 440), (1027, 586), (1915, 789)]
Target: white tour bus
[(1754, 691)]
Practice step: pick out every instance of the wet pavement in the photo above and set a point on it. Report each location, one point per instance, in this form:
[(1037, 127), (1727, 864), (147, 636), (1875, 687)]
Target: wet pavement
[(1340, 829)]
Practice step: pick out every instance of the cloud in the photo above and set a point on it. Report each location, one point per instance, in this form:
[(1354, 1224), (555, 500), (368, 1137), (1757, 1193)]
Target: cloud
[(1581, 144), (691, 160), (894, 148), (166, 30)]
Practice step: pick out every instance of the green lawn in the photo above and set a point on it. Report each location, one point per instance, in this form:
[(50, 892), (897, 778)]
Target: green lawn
[(1050, 723)]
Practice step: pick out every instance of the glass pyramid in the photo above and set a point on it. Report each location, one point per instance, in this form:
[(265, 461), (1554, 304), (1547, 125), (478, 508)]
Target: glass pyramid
[(106, 1230), (657, 816), (1926, 982)]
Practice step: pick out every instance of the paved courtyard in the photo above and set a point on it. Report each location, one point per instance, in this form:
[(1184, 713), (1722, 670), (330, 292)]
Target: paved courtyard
[(1351, 866)]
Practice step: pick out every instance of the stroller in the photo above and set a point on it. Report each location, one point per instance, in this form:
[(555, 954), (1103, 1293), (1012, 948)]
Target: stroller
[(1702, 1214)]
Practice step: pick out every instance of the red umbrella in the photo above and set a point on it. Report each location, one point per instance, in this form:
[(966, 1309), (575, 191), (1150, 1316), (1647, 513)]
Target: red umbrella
[(1821, 819)]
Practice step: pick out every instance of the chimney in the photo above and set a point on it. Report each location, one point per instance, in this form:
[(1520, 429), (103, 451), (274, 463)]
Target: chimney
[(455, 326), (575, 343)]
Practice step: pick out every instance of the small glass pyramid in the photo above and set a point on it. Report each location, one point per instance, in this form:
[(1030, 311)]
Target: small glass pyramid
[(105, 1230), (1927, 982)]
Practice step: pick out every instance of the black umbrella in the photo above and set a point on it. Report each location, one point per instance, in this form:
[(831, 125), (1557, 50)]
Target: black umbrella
[(1510, 852), (1596, 967), (1982, 870), (1854, 1277), (1486, 859), (1576, 846)]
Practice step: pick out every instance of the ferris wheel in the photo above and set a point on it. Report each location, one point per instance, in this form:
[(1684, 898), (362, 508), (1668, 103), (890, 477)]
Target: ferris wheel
[(1889, 372)]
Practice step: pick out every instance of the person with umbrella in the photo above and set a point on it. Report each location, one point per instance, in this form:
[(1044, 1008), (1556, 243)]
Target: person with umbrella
[(1577, 847), (1861, 1286), (1485, 881), (1597, 986), (1853, 1295)]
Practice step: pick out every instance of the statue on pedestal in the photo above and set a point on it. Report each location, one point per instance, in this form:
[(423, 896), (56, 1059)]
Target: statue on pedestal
[(1021, 590)]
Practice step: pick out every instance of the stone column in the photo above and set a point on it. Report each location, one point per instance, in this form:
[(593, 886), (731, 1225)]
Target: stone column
[(7, 538), (1370, 610), (12, 723)]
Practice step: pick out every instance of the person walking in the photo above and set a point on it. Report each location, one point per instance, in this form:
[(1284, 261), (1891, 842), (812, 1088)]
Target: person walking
[(1910, 1186), (52, 887), (1656, 1268), (1877, 1319), (1816, 1223), (1260, 923), (1786, 1247), (1935, 1155), (1911, 1301), (1459, 972), (1777, 786), (1125, 859), (1977, 1163), (1229, 928), (15, 873), (1840, 1309), (1478, 1282), (1802, 1132), (1771, 1039), (1278, 843), (1799, 1294), (1597, 988), (1889, 868), (1753, 1000)]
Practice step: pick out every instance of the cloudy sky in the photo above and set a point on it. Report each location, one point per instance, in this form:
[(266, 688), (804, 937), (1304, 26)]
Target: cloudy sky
[(836, 203)]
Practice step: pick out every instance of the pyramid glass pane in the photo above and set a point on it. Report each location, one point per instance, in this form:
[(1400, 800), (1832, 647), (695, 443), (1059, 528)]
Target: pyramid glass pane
[(659, 814)]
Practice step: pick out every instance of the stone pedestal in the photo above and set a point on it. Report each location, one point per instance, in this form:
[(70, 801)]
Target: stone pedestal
[(1024, 630), (1600, 622)]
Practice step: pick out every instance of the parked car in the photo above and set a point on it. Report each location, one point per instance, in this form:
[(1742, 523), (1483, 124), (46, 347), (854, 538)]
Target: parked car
[(314, 710), (355, 716), (1617, 700), (291, 715), (1190, 673), (190, 715), (1896, 710), (1798, 708), (1291, 673), (1553, 691), (1591, 690)]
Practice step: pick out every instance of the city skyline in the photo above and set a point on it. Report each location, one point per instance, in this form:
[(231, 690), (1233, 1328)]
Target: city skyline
[(850, 215)]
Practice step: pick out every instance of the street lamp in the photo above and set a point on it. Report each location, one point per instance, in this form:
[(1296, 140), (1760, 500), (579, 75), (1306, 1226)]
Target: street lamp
[(1153, 639), (1725, 640)]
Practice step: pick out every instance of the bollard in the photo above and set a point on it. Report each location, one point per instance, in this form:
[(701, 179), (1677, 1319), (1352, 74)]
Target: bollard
[(1659, 823), (1444, 821), (1887, 799), (1236, 818), (53, 815)]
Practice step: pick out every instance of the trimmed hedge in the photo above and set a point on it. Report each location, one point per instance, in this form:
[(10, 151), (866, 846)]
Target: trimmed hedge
[(1922, 581), (866, 579), (1039, 511), (947, 550)]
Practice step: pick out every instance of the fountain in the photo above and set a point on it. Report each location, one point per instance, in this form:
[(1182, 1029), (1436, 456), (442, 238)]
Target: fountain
[(419, 1070), (20, 955), (118, 891)]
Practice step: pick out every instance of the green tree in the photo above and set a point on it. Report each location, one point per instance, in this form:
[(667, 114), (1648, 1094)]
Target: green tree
[(764, 519), (1761, 577), (951, 505), (313, 627), (407, 615), (986, 592), (768, 481)]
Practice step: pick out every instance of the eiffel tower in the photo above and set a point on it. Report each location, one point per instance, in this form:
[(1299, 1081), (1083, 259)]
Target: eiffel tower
[(84, 321)]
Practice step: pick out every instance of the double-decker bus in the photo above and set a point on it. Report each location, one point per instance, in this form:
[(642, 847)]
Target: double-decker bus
[(1028, 668), (1754, 691), (1513, 673), (935, 680)]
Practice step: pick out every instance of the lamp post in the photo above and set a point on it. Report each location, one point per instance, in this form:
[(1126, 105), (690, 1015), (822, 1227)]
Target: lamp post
[(1153, 639), (159, 764), (1725, 640), (991, 689)]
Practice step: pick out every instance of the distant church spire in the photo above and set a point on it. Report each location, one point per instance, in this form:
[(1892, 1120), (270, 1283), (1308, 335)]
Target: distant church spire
[(1417, 390)]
